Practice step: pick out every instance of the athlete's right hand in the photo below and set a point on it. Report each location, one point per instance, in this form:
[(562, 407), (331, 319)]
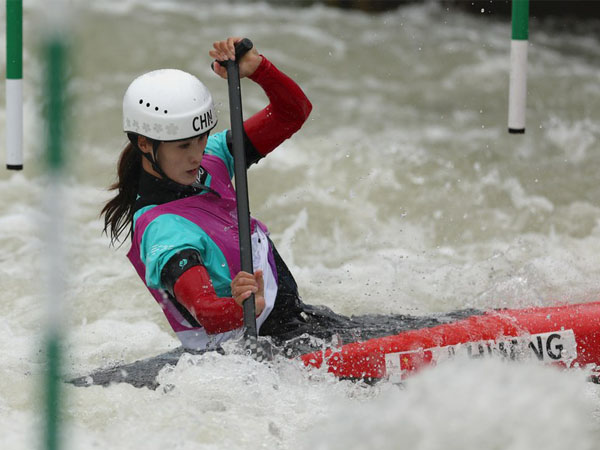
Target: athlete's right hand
[(245, 284)]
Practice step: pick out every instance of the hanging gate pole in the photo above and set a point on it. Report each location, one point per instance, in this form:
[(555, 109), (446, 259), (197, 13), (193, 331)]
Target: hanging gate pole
[(55, 55), (14, 84), (517, 95)]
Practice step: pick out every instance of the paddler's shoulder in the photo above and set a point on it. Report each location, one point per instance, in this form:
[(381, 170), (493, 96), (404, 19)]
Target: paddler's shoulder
[(139, 213), (217, 146)]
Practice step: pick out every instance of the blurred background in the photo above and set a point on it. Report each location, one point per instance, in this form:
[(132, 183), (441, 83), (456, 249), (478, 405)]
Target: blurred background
[(581, 9)]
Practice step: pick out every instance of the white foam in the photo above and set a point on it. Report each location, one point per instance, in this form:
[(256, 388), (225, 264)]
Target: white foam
[(467, 405)]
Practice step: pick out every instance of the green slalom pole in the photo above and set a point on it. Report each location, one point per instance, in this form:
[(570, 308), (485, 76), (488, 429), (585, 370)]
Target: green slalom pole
[(14, 84), (517, 95), (55, 55)]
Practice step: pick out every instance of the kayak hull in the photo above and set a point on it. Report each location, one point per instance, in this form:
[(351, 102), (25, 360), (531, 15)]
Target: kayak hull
[(567, 335)]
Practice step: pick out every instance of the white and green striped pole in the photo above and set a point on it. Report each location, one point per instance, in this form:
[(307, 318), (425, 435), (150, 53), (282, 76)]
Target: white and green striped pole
[(55, 55), (517, 95), (14, 84)]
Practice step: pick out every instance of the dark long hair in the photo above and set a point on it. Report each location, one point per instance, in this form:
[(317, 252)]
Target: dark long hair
[(118, 212)]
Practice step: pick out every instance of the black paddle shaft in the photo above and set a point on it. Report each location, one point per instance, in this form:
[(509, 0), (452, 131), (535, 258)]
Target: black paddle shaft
[(241, 180)]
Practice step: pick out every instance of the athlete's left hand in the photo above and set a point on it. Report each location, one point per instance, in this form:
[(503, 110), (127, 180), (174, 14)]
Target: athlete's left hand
[(224, 50)]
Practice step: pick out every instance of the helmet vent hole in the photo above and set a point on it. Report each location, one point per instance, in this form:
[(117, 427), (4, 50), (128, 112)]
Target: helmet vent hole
[(141, 101), (165, 111), (147, 105), (156, 109)]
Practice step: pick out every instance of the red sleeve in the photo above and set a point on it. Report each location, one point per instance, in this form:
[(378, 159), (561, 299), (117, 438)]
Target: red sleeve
[(287, 111), (194, 290)]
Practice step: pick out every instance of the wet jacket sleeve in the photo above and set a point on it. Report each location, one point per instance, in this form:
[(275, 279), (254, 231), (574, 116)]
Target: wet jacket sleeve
[(288, 109), (185, 277), (194, 290)]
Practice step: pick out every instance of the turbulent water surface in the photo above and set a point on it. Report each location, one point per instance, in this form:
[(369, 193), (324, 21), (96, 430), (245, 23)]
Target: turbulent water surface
[(403, 193)]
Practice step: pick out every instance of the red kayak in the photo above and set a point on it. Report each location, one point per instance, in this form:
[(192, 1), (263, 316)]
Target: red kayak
[(567, 335)]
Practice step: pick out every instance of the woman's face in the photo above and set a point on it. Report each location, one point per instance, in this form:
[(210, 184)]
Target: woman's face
[(180, 160)]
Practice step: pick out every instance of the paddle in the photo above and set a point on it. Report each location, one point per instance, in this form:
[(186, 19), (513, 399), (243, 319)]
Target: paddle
[(241, 188)]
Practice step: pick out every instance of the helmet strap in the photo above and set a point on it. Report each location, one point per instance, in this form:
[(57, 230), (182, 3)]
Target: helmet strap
[(154, 159), (154, 162)]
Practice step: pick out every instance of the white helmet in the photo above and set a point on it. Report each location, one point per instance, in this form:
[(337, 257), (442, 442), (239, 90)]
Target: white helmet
[(168, 105)]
